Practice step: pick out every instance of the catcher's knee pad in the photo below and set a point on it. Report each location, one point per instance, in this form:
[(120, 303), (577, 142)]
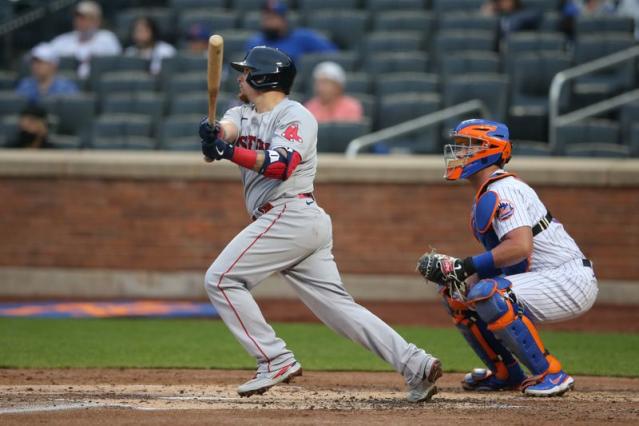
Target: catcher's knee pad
[(496, 305), (490, 350)]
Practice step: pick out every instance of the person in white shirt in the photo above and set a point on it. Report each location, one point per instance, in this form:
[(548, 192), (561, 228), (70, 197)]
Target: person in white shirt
[(147, 45), (86, 39)]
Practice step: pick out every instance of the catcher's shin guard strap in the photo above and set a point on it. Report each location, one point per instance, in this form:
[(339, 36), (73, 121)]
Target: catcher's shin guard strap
[(516, 332)]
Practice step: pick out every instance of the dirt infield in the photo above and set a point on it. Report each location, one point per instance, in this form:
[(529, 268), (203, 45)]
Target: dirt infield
[(81, 396)]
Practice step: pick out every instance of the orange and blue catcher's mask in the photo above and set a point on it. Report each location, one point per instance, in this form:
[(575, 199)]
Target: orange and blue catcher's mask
[(476, 145)]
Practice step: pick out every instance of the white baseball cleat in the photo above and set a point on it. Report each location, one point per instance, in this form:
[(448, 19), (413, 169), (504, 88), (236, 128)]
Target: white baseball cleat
[(424, 390), (264, 381)]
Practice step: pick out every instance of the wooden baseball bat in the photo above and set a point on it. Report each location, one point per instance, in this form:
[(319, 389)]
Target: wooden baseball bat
[(214, 72)]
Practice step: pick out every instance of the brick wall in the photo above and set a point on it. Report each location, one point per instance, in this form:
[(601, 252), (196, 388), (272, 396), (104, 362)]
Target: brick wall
[(178, 224)]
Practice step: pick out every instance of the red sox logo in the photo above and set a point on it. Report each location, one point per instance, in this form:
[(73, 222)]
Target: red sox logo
[(291, 133)]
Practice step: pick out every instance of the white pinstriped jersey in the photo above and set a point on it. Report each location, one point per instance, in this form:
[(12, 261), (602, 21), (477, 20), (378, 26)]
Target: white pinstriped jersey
[(520, 206), (288, 125)]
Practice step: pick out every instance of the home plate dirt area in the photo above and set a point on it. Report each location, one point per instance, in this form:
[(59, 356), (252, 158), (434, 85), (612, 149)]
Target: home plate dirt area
[(138, 396)]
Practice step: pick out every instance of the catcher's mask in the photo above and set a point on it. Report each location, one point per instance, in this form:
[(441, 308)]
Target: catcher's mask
[(476, 145)]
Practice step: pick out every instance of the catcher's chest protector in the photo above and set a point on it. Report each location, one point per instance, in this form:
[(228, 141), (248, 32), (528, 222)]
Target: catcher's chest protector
[(481, 222)]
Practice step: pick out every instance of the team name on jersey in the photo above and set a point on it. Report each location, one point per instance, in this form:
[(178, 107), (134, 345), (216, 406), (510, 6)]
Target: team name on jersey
[(252, 142)]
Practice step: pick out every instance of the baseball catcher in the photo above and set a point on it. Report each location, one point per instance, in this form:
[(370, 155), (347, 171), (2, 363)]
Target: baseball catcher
[(531, 270)]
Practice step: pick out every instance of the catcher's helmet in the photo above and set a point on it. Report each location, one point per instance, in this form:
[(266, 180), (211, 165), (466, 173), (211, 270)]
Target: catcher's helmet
[(477, 145), (269, 69)]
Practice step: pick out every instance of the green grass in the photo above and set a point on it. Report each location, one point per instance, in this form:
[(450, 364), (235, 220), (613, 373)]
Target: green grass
[(146, 343)]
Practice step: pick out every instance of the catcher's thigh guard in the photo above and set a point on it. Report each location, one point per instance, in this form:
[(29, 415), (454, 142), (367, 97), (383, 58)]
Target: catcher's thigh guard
[(490, 350), (495, 305)]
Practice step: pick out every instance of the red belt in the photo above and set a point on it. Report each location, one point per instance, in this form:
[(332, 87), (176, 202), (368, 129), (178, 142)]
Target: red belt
[(268, 206)]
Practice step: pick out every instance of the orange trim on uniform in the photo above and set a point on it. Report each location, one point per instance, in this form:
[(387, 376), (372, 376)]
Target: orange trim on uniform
[(472, 301), (490, 180), (504, 321), (533, 332)]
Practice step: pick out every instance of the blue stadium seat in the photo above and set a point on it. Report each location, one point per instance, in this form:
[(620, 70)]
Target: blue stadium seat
[(122, 131), (179, 133), (530, 148), (389, 5), (335, 136), (592, 25), (345, 27), (458, 41), (591, 131), (406, 82), (415, 61), (608, 150)]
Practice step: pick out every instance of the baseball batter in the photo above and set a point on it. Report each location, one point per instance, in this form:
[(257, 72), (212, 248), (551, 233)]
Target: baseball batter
[(532, 271), (274, 141)]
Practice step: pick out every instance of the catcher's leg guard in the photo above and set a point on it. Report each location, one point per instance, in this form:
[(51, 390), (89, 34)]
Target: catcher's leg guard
[(504, 371), (496, 305)]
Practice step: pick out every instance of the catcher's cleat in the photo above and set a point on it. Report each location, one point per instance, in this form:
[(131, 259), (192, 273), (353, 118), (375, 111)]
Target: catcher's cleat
[(424, 390), (264, 381), (483, 380), (552, 384)]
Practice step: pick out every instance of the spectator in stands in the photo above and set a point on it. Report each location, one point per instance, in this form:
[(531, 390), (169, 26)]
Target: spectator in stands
[(513, 16), (198, 38), (596, 7), (147, 44), (330, 103), (44, 80), (33, 129), (275, 32), (87, 39), (568, 12)]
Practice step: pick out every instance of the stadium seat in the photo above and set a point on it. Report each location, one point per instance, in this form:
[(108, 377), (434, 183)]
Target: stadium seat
[(591, 25), (469, 63), (179, 5), (335, 136), (598, 86), (308, 7), (543, 5), (358, 82), (346, 27), (392, 41), (530, 81), (8, 129), (441, 7), (66, 141), (586, 131), (217, 20), (104, 64), (628, 116), (141, 103), (416, 61), (346, 58), (492, 89), (452, 42), (187, 83), (250, 21), (164, 17), (74, 114), (8, 80), (11, 103), (368, 104), (551, 22), (125, 82), (235, 44), (530, 148), (390, 5), (197, 103), (609, 150), (244, 5), (405, 82), (113, 131), (402, 107), (472, 20), (407, 20), (634, 140), (178, 133), (527, 42)]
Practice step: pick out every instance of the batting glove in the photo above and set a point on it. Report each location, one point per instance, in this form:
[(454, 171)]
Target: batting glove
[(217, 149), (207, 132)]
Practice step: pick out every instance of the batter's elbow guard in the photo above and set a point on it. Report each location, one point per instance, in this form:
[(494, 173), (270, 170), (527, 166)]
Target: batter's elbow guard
[(280, 164)]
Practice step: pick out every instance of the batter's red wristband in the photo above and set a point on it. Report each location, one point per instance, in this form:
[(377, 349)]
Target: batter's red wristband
[(244, 157)]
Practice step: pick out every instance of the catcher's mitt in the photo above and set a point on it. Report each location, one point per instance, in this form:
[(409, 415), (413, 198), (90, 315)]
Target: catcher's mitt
[(446, 271)]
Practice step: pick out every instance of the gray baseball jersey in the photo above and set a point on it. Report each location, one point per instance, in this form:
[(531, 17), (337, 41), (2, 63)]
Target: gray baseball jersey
[(294, 238), (288, 125)]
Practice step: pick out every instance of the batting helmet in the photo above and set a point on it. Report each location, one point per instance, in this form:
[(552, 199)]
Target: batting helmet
[(477, 145), (269, 69)]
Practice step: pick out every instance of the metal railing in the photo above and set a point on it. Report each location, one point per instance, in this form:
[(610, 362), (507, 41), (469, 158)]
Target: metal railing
[(565, 76), (413, 125)]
